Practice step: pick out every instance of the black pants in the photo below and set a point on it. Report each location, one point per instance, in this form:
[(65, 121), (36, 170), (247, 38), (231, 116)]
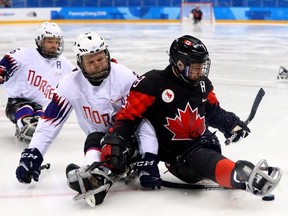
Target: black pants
[(197, 165)]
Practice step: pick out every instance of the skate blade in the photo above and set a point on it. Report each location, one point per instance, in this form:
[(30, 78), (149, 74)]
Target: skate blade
[(90, 193)]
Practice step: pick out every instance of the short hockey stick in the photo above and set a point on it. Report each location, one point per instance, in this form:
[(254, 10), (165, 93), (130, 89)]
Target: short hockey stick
[(252, 113), (45, 166), (169, 184)]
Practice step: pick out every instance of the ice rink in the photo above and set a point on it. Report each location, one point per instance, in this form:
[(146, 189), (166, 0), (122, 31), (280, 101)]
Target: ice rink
[(245, 57)]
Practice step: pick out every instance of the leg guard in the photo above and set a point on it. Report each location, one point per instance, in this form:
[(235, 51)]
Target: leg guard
[(91, 183), (260, 179)]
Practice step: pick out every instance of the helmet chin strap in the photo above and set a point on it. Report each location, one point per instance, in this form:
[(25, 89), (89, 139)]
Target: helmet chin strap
[(179, 73), (182, 69)]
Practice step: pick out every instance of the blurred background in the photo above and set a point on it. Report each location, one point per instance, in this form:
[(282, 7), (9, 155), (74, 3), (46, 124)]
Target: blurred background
[(169, 10), (247, 42), (139, 3)]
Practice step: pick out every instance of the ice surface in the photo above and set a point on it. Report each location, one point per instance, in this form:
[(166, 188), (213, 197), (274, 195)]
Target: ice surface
[(244, 58)]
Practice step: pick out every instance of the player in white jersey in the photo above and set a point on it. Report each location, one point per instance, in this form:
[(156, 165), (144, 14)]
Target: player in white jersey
[(96, 93), (30, 76)]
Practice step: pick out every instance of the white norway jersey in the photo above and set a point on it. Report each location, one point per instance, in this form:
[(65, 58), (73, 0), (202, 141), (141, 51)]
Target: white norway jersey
[(94, 106), (35, 77)]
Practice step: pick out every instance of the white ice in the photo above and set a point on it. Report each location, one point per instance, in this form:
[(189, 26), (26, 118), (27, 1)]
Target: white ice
[(245, 57)]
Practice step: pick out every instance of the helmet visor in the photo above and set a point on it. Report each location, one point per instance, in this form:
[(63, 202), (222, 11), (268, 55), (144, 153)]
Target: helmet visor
[(194, 71)]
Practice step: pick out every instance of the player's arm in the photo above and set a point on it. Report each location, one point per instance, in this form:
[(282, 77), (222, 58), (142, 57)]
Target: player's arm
[(50, 124), (226, 122), (8, 66), (47, 130), (114, 145)]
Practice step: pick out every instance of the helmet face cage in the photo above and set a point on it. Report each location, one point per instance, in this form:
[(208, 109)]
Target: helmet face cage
[(191, 52), (89, 43), (49, 30)]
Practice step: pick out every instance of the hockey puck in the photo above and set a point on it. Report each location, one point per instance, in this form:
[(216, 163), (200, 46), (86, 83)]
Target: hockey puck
[(268, 197)]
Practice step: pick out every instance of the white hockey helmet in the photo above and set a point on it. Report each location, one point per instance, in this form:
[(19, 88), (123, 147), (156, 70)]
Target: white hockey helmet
[(49, 30), (90, 43)]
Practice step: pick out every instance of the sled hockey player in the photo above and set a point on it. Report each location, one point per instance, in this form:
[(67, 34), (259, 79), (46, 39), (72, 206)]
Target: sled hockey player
[(99, 89), (30, 76), (196, 14), (180, 103), (282, 73)]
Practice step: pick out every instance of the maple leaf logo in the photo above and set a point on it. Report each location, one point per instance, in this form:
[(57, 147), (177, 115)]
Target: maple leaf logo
[(187, 125)]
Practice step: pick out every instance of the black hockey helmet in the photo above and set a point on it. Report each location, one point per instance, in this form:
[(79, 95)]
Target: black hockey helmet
[(189, 50)]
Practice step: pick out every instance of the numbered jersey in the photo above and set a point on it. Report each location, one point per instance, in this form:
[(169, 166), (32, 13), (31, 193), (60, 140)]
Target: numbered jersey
[(34, 77), (95, 106), (178, 111)]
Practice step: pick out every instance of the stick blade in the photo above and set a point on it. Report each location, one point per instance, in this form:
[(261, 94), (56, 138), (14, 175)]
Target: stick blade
[(255, 105)]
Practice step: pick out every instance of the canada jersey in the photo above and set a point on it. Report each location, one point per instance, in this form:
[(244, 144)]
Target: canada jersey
[(175, 109), (94, 106), (197, 14), (33, 76)]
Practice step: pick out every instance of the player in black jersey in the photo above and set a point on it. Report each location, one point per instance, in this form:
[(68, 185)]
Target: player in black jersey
[(196, 13), (180, 103)]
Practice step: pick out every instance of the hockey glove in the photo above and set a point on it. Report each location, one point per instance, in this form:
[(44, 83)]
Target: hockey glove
[(3, 74), (29, 166), (239, 131), (114, 152), (148, 171)]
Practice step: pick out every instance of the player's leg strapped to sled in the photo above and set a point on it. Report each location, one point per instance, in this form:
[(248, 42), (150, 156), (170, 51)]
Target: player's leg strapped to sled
[(191, 168), (24, 114), (92, 182)]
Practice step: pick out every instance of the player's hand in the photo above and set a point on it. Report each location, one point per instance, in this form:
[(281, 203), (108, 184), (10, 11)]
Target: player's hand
[(148, 171), (3, 74), (29, 166), (238, 132), (114, 152)]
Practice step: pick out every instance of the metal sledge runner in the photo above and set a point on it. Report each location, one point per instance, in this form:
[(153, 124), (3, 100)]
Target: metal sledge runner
[(93, 183)]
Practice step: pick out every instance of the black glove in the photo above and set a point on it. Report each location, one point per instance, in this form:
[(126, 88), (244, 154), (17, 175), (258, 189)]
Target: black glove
[(3, 74), (114, 152), (148, 171), (29, 166), (239, 131)]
